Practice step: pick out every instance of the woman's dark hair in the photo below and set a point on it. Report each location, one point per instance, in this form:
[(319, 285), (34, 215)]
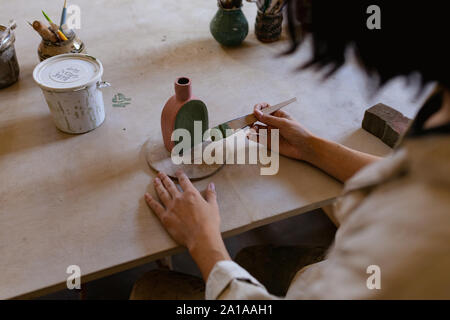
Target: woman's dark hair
[(414, 36)]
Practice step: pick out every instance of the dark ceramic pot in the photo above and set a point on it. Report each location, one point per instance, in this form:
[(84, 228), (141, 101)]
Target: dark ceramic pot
[(229, 26)]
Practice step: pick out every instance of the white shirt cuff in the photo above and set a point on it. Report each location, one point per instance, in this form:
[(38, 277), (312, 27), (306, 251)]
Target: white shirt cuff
[(221, 276)]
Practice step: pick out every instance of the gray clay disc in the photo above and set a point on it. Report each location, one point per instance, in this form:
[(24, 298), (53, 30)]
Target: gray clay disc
[(158, 158)]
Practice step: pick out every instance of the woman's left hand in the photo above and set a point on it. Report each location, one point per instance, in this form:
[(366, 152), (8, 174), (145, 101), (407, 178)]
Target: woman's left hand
[(191, 220)]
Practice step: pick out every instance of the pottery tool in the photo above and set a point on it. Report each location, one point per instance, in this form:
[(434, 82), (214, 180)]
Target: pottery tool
[(249, 119), (265, 6), (63, 15), (54, 27), (44, 32), (276, 6), (271, 6)]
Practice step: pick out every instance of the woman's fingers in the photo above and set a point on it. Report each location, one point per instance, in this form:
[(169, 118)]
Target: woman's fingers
[(183, 180), (162, 192), (260, 106), (268, 119), (271, 119), (261, 134), (168, 184), (157, 208), (282, 114), (210, 193)]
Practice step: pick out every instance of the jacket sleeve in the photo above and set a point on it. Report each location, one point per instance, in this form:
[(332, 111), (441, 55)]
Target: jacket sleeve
[(229, 281)]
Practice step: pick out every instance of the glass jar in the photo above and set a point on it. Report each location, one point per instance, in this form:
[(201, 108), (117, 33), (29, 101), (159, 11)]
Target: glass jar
[(73, 44), (9, 68)]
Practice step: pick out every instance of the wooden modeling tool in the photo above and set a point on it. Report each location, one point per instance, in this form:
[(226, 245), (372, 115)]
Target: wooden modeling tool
[(249, 119), (44, 32)]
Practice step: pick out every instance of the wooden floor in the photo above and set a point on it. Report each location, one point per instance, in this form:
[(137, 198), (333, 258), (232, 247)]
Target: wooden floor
[(313, 228)]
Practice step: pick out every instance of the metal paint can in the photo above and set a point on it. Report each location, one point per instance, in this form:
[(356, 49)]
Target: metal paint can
[(71, 84)]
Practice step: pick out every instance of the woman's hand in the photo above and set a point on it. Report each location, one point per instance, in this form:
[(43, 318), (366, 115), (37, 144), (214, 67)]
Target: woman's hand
[(191, 220), (295, 141), (298, 143)]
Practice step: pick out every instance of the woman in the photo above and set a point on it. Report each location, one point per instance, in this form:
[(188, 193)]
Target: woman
[(394, 213)]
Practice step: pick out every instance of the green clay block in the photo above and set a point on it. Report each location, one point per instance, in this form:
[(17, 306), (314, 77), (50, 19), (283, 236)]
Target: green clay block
[(194, 110)]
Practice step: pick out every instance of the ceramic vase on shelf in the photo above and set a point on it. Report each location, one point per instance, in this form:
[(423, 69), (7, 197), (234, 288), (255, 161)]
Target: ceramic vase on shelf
[(229, 26), (181, 111)]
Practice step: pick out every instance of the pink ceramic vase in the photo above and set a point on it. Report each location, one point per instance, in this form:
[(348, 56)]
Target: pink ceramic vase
[(181, 110)]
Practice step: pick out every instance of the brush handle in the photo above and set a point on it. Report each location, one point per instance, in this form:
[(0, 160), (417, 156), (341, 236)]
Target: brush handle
[(54, 27), (63, 18)]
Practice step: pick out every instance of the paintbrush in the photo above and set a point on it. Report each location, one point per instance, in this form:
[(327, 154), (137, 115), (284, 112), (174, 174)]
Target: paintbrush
[(276, 6), (54, 27), (43, 31), (265, 6), (63, 15)]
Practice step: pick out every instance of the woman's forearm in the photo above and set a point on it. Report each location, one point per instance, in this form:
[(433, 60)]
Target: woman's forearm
[(337, 160), (207, 253)]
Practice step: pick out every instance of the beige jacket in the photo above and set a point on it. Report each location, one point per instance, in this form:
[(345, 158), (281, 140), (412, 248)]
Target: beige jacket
[(394, 215)]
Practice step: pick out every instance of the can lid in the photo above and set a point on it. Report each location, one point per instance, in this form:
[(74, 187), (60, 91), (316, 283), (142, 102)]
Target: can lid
[(68, 72)]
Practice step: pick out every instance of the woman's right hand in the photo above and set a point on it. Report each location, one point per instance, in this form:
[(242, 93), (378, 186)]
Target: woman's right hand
[(295, 141), (298, 143)]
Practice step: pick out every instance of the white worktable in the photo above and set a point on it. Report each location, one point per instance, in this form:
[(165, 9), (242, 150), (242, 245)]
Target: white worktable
[(78, 199)]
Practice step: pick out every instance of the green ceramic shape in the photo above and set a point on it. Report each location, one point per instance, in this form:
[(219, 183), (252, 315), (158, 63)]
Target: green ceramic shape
[(223, 130), (229, 27), (194, 110)]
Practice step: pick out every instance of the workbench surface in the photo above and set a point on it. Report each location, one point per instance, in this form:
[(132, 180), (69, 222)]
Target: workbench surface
[(78, 199)]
